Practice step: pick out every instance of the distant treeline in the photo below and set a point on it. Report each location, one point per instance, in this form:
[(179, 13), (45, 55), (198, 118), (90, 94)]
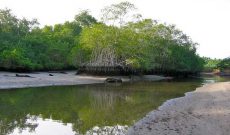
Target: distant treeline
[(123, 39), (216, 64)]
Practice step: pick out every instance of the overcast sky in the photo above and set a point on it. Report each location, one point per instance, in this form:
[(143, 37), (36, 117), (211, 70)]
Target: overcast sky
[(207, 22)]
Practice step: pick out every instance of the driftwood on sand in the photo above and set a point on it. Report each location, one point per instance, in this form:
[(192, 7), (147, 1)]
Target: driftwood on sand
[(18, 75)]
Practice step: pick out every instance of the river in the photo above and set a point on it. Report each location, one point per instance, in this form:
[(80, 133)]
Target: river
[(87, 109)]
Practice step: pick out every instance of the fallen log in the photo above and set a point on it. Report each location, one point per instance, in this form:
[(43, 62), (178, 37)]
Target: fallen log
[(18, 75), (113, 80)]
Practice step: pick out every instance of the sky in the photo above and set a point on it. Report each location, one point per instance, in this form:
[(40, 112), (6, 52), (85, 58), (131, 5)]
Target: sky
[(207, 22)]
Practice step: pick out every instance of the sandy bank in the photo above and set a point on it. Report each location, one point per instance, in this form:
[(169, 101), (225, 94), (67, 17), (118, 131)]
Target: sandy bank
[(8, 80), (203, 112)]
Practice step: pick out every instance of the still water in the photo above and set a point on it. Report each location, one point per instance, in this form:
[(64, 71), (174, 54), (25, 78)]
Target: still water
[(70, 110)]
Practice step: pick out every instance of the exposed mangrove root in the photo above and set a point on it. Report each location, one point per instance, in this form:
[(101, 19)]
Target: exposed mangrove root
[(119, 70), (61, 72)]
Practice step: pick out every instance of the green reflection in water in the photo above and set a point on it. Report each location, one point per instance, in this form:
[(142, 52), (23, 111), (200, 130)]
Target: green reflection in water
[(87, 106)]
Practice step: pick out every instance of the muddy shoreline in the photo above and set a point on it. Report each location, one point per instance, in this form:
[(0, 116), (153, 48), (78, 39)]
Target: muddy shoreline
[(10, 80), (206, 111)]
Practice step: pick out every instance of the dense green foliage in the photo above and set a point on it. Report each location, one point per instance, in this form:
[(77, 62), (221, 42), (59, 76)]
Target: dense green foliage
[(214, 65), (224, 64), (211, 64), (24, 46), (142, 44), (145, 45)]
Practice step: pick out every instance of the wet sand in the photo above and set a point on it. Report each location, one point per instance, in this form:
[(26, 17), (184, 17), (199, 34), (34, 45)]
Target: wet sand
[(206, 111), (8, 80)]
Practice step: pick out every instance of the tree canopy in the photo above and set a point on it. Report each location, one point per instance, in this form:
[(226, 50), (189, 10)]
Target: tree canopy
[(139, 44), (224, 64)]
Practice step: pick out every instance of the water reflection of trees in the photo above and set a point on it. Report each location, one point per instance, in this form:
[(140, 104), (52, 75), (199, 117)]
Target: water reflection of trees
[(8, 125), (83, 106), (103, 99)]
